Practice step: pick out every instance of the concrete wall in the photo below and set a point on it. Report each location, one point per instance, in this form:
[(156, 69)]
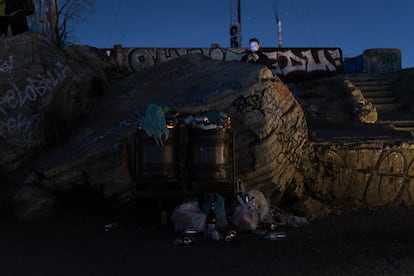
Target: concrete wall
[(374, 61), (381, 60), (372, 174), (288, 63)]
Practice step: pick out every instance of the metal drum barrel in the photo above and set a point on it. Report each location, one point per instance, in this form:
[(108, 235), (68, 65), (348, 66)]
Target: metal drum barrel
[(156, 162), (210, 155)]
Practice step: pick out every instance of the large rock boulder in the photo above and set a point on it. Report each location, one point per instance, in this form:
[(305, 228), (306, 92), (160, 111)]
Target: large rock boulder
[(268, 123), (43, 95)]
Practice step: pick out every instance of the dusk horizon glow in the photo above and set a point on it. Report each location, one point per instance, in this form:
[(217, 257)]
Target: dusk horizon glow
[(354, 26)]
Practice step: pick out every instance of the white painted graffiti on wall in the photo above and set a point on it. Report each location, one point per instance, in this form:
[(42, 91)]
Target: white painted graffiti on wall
[(14, 121), (308, 60), (139, 58), (6, 65), (285, 61)]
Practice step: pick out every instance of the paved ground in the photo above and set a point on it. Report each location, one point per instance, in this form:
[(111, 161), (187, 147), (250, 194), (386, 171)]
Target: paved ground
[(363, 242)]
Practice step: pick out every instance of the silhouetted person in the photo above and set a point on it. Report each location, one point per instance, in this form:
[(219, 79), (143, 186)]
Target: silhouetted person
[(4, 19), (18, 10), (255, 54)]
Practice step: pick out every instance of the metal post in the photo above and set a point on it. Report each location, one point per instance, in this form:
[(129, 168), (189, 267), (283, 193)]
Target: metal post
[(278, 23), (238, 12), (235, 25), (279, 32), (233, 157)]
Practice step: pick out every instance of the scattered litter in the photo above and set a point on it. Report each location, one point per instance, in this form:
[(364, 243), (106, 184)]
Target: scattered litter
[(248, 212), (188, 216), (111, 226), (275, 235), (230, 235), (215, 235), (184, 240), (297, 221)]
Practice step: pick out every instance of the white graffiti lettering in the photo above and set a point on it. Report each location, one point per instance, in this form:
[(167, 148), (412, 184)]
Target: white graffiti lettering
[(285, 61), (323, 64), (6, 66), (17, 126), (36, 87), (135, 121), (306, 62), (336, 56), (293, 63)]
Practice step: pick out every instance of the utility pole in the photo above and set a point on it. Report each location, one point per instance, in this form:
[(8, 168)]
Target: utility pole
[(235, 24), (279, 32), (278, 23), (55, 20)]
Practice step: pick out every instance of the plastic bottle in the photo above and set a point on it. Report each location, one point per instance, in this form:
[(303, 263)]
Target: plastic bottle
[(211, 218)]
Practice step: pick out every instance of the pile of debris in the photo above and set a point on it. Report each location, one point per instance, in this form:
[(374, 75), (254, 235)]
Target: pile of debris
[(222, 220)]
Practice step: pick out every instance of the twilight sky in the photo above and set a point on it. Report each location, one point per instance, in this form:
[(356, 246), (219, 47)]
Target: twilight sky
[(352, 25)]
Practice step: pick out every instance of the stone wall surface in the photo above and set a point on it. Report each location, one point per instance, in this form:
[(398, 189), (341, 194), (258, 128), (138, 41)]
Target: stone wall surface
[(363, 109), (377, 60), (42, 96), (364, 174), (381, 60)]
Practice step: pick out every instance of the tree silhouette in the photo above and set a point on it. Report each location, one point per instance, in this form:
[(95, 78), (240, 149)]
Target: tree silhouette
[(68, 13)]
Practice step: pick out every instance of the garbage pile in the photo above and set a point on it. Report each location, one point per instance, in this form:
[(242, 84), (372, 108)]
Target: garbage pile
[(221, 221), (157, 121), (205, 120)]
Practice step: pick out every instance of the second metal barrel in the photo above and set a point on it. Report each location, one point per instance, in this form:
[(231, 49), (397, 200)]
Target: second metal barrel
[(210, 154)]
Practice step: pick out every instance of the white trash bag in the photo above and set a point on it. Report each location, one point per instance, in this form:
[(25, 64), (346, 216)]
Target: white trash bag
[(245, 219), (258, 202), (252, 209), (188, 216)]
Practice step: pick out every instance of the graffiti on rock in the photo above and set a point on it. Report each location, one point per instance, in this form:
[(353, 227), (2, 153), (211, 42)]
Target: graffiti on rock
[(264, 102), (378, 181), (291, 149), (248, 103), (35, 87), (6, 65), (134, 121), (18, 126), (14, 100), (270, 105)]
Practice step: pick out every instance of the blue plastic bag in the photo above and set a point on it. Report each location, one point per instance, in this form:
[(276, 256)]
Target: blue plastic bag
[(154, 124)]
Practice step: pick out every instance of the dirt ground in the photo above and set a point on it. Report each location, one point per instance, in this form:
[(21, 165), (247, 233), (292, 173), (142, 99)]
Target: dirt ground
[(358, 242)]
